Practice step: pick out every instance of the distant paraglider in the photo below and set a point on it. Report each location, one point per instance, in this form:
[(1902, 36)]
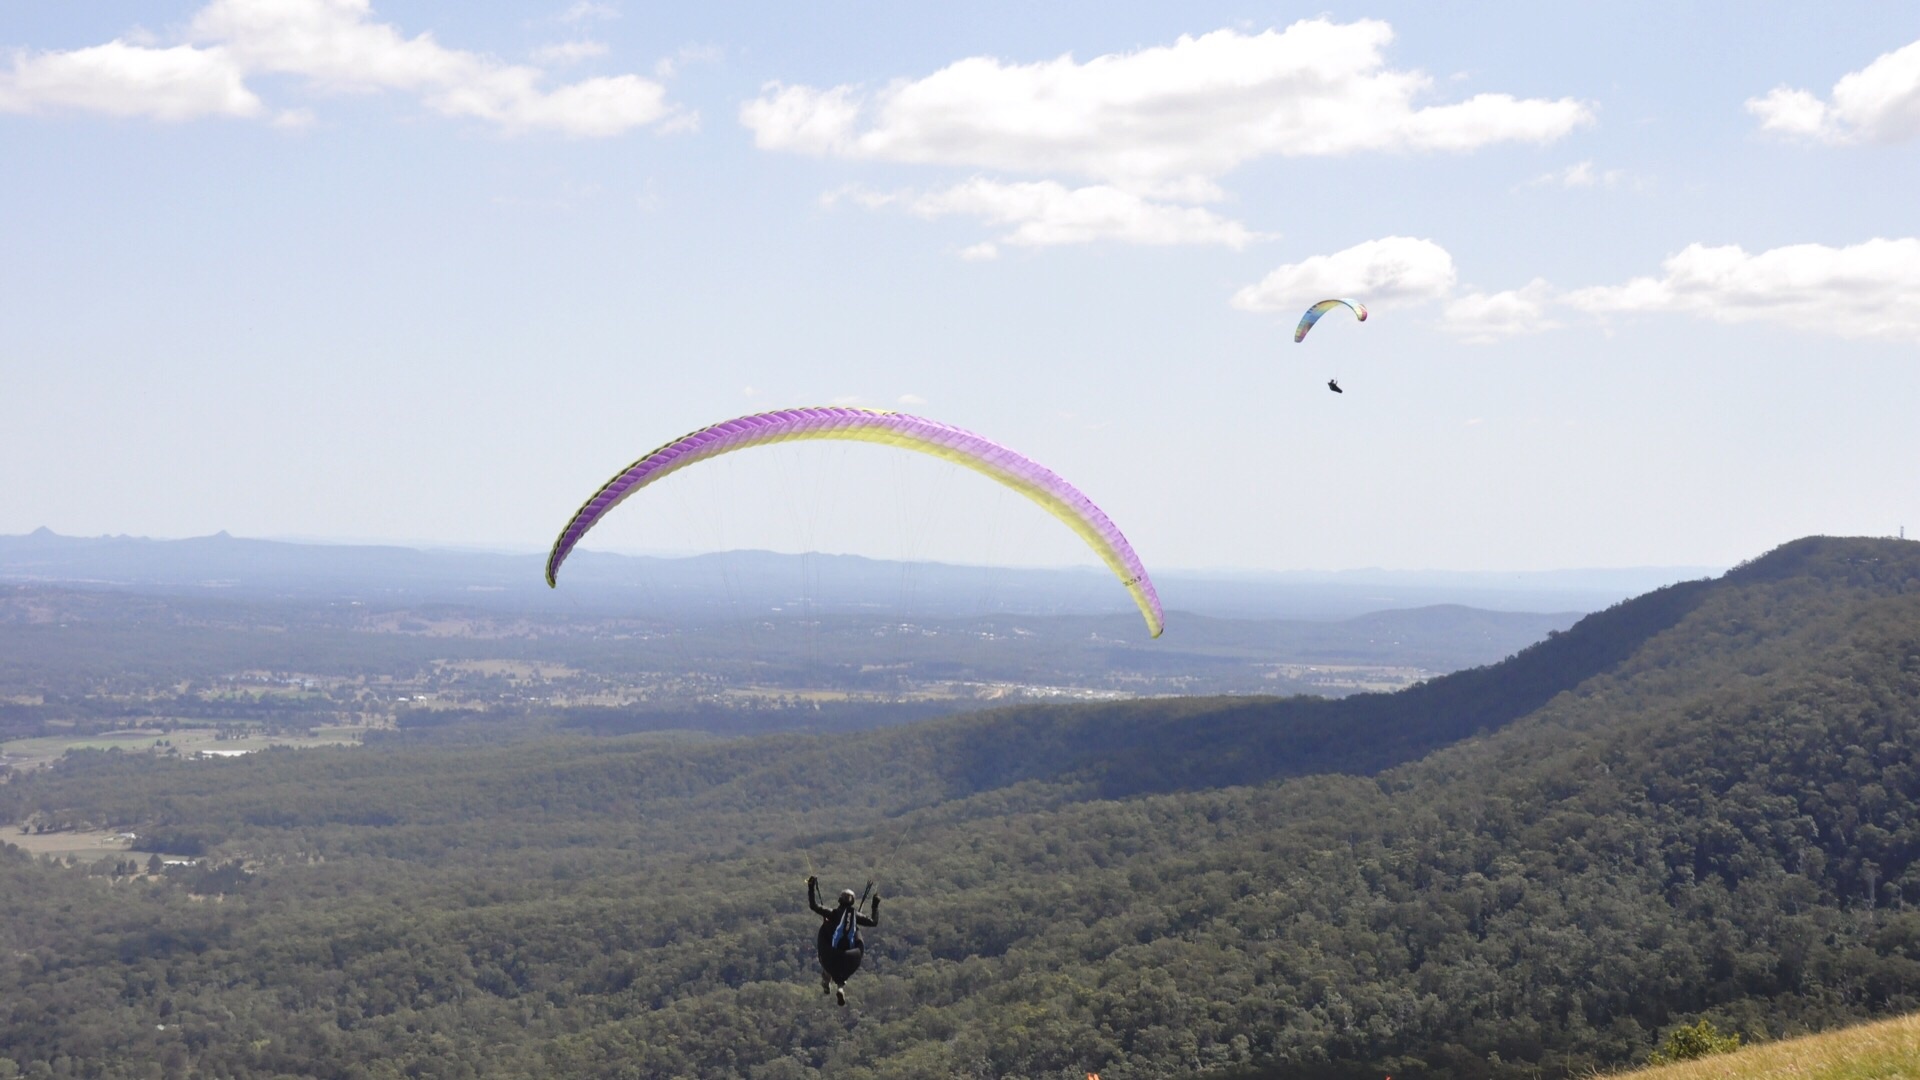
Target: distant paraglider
[(1313, 316), (945, 441)]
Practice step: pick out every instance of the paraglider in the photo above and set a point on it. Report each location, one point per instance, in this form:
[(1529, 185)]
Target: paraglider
[(839, 943), (1028, 477), (1313, 316)]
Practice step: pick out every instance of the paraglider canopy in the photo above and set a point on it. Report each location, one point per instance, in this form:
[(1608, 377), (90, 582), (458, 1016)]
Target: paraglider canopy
[(1022, 474), (1313, 316)]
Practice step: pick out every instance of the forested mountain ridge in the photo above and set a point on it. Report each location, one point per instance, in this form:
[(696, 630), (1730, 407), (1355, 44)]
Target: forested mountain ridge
[(1699, 802), (1137, 747)]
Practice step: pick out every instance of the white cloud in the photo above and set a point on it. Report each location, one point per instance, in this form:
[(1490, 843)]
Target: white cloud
[(583, 10), (1879, 103), (1048, 214), (912, 399), (122, 79), (801, 118), (1579, 175), (336, 44), (1867, 290), (1483, 318), (1163, 120), (338, 47), (1387, 269), (1790, 112), (568, 52)]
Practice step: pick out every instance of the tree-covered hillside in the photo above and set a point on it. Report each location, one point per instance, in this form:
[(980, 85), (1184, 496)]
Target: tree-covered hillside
[(1702, 801)]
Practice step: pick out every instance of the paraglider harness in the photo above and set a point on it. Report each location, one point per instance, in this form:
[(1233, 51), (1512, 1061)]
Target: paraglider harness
[(847, 934)]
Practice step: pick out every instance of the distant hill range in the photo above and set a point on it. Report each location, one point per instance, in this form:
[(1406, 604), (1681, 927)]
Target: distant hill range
[(766, 581)]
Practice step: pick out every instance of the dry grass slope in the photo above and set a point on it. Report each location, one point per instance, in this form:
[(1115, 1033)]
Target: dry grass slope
[(1888, 1050)]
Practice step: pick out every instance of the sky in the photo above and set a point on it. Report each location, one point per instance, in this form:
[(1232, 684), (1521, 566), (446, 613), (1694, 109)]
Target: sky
[(1644, 279)]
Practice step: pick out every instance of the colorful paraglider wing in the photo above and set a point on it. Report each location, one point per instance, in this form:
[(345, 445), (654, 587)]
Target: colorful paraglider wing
[(1313, 316), (1028, 477)]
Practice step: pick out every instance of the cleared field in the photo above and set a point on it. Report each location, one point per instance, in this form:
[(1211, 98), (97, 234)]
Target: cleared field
[(31, 753), (39, 751), (1888, 1050), (86, 846)]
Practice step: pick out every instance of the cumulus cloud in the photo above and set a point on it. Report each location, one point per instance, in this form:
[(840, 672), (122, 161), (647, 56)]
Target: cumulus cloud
[(1867, 290), (123, 79), (1791, 112), (1384, 270), (1878, 103), (338, 47), (1161, 121), (1048, 214), (1480, 318)]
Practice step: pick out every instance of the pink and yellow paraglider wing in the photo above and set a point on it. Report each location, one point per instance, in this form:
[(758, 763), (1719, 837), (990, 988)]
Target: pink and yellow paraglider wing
[(1313, 315), (1020, 473)]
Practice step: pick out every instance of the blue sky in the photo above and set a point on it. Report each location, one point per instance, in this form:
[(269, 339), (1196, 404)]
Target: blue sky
[(1645, 278)]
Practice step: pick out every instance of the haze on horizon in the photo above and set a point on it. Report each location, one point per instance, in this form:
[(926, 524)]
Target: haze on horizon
[(337, 270)]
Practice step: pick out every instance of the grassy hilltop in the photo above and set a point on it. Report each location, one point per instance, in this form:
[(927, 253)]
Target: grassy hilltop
[(1888, 1050), (1701, 802)]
